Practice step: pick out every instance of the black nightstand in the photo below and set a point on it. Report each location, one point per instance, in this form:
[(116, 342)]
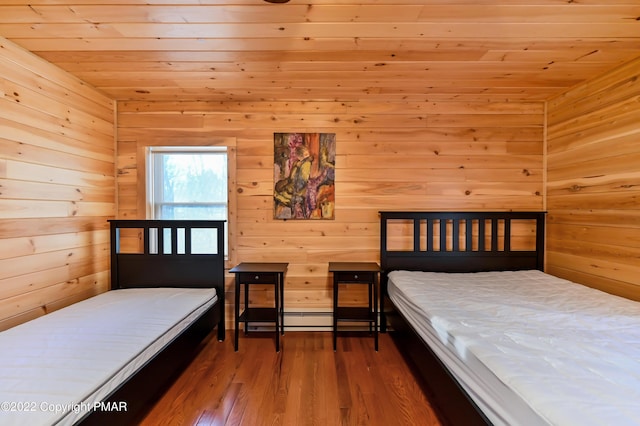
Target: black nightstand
[(356, 273), (260, 273)]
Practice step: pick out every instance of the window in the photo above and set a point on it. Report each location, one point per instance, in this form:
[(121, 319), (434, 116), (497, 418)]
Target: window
[(188, 183)]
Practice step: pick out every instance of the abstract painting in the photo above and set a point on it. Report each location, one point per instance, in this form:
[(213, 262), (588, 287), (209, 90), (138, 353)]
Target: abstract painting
[(304, 175)]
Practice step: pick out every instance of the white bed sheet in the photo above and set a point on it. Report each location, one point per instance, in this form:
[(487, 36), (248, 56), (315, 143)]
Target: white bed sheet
[(530, 348), (54, 368)]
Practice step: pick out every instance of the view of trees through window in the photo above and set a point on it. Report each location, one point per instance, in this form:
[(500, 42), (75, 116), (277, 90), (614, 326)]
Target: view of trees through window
[(187, 184)]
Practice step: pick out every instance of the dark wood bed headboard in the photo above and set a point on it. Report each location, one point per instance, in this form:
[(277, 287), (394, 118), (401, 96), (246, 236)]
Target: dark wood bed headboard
[(163, 253), (461, 241)]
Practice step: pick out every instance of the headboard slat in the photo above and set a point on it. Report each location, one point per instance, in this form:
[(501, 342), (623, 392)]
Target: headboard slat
[(468, 234), (481, 234), (187, 241), (146, 239), (456, 235), (160, 237), (494, 234), (507, 233)]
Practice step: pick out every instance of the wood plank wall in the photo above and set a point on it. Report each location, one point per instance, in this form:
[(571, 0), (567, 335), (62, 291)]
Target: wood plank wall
[(396, 155), (593, 189), (57, 187)]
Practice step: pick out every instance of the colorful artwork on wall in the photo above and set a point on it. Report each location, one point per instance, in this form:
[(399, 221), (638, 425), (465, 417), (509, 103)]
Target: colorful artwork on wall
[(304, 175)]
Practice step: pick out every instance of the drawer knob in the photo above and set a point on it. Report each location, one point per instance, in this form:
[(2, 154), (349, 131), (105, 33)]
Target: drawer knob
[(356, 276), (257, 277)]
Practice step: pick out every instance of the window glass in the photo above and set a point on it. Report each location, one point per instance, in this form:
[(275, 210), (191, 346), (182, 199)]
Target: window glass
[(189, 183)]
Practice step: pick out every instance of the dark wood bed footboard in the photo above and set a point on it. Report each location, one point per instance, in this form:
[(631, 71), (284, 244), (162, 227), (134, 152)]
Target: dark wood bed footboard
[(451, 242), (163, 253)]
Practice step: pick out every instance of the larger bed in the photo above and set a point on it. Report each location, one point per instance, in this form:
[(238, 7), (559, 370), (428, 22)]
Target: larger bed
[(497, 340), (100, 361)]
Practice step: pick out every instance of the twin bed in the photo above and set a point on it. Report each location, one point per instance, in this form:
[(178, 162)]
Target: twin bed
[(100, 361), (497, 340)]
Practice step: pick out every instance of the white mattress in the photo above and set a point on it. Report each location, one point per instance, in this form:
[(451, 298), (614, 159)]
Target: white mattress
[(54, 368), (528, 347)]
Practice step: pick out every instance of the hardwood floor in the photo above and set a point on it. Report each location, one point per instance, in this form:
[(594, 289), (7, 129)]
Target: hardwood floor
[(306, 383)]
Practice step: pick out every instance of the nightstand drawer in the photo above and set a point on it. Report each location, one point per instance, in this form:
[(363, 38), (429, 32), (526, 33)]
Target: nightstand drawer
[(258, 277), (354, 277)]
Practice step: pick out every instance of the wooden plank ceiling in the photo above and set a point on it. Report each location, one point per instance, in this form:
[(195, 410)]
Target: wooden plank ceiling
[(345, 50)]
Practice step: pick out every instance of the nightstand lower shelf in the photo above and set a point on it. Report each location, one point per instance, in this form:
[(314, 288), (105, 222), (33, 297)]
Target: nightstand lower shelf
[(354, 314), (258, 315)]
